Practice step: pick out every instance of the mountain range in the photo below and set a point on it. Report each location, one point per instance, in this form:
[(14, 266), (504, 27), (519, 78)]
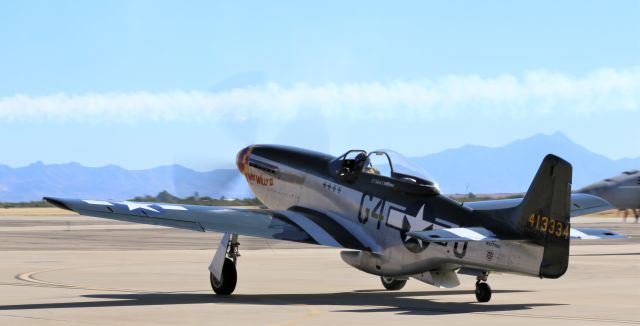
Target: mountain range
[(113, 182), (510, 168), (470, 168)]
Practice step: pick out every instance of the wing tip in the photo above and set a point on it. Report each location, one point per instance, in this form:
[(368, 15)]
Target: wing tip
[(57, 203)]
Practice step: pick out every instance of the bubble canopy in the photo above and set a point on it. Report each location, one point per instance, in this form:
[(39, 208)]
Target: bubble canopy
[(384, 163), (402, 168)]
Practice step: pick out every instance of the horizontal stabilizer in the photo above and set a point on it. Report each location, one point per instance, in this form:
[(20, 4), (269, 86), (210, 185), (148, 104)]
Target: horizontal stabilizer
[(482, 234), (594, 234), (455, 234), (581, 204)]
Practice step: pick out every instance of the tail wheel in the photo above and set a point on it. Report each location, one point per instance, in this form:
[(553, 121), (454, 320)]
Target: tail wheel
[(392, 284), (483, 292), (227, 283)]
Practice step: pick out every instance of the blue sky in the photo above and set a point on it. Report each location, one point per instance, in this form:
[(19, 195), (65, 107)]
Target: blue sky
[(142, 83)]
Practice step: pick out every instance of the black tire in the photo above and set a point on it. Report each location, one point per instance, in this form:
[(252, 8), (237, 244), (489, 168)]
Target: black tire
[(483, 292), (229, 279), (392, 284)]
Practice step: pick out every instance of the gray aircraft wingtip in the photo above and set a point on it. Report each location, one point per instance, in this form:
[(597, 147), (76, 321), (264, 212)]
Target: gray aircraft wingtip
[(57, 203)]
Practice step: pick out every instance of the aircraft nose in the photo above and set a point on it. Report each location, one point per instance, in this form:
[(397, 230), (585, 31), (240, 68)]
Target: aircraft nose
[(242, 158)]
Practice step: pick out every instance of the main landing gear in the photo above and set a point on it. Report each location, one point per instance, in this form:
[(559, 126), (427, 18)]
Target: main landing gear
[(483, 290), (392, 284), (222, 270)]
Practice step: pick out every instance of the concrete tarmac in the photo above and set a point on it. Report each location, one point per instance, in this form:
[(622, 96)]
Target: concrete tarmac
[(66, 270)]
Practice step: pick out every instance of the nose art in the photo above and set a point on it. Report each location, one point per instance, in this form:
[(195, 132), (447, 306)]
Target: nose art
[(242, 159)]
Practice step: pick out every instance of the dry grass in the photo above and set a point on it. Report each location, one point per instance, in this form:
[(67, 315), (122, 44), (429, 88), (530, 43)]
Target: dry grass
[(35, 211)]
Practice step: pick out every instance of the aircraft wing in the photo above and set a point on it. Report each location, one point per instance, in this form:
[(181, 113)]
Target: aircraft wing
[(299, 225), (593, 234), (482, 234), (581, 204)]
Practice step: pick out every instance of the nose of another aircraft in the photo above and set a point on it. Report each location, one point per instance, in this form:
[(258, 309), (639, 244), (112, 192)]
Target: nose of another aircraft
[(242, 158)]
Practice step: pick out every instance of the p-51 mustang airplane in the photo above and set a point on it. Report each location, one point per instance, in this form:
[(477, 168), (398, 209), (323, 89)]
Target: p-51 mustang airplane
[(387, 213)]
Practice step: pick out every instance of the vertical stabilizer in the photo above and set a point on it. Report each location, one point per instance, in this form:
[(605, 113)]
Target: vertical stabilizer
[(543, 215)]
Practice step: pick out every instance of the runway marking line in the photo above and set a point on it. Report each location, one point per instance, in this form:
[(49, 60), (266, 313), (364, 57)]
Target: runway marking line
[(311, 310), (29, 277), (65, 321)]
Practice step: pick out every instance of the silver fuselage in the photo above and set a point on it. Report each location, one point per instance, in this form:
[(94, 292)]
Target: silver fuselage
[(294, 187)]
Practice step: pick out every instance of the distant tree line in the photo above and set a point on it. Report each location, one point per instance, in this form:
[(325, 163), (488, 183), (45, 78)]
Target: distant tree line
[(162, 197), (30, 204), (166, 197)]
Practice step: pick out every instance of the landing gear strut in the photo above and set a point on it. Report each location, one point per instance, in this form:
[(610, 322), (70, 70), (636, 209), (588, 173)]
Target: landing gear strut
[(222, 270), (483, 290), (392, 284)]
